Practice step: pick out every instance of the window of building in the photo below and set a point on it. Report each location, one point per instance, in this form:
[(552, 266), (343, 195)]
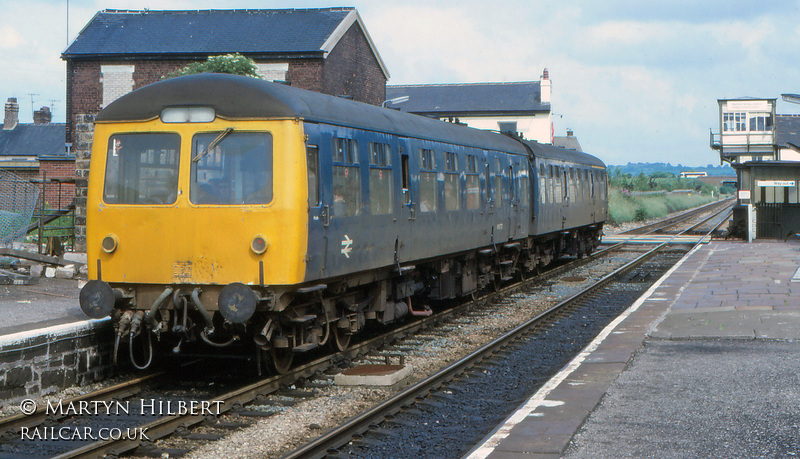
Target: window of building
[(117, 80), (380, 179), (427, 181), (760, 122), (346, 178), (734, 122)]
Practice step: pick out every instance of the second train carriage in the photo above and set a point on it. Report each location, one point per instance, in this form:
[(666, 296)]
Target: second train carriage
[(229, 210)]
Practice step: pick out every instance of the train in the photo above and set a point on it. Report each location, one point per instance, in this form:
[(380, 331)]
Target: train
[(227, 212)]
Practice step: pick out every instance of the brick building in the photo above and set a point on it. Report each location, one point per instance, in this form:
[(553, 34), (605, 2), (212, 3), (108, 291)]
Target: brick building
[(326, 50), (37, 151)]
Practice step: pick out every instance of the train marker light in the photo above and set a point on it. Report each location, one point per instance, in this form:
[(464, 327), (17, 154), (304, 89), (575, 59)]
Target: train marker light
[(259, 245), (110, 243)]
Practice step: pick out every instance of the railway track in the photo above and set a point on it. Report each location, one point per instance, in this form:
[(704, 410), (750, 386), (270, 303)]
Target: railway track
[(400, 418), (235, 403)]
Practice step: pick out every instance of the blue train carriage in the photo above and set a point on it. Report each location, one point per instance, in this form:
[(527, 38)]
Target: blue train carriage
[(336, 213), (570, 204)]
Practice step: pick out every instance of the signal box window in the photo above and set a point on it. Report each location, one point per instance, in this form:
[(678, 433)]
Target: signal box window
[(380, 179), (231, 168), (346, 178), (427, 181), (142, 169)]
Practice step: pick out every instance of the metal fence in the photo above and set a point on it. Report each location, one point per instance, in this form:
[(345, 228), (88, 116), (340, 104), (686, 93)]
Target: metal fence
[(17, 200)]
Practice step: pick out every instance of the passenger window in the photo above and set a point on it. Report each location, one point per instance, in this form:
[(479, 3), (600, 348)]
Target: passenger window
[(406, 179), (312, 159), (498, 185), (380, 179), (346, 178), (452, 182), (427, 181), (473, 190)]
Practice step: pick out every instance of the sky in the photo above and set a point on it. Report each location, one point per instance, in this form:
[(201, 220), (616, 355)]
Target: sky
[(636, 81)]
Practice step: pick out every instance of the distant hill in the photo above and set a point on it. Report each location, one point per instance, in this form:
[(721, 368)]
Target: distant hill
[(651, 168)]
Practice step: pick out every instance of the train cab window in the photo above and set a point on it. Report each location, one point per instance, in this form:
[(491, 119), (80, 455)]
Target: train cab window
[(142, 169), (473, 190), (498, 184), (312, 159), (427, 181), (231, 168), (346, 178), (380, 179), (452, 182)]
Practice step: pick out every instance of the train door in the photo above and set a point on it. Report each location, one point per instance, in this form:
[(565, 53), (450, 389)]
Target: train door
[(408, 202), (513, 200), (318, 204)]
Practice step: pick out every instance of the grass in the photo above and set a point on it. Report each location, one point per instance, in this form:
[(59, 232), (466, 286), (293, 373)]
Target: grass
[(624, 208)]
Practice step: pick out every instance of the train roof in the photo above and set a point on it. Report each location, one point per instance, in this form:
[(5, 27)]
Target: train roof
[(239, 97), (541, 150)]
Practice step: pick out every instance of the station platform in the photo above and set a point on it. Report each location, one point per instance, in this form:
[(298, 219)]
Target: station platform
[(705, 364), (49, 302)]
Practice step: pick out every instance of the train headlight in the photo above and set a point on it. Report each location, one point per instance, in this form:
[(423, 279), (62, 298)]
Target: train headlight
[(259, 245), (110, 243)]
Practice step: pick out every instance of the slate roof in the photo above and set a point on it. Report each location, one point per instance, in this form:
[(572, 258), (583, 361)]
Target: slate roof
[(469, 99), (787, 129), (34, 140), (569, 142), (288, 33)]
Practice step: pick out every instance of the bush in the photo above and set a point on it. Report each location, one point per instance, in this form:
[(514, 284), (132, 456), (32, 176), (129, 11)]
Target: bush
[(235, 64)]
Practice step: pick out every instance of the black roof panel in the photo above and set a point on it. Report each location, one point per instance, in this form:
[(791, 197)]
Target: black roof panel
[(115, 32)]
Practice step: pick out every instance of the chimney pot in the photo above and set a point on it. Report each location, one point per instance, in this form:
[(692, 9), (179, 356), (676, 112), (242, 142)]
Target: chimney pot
[(42, 116), (12, 114)]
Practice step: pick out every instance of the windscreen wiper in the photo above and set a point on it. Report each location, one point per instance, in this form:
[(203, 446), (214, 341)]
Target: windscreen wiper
[(213, 144)]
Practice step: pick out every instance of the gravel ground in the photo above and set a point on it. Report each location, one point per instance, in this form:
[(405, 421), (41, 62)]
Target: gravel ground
[(296, 425)]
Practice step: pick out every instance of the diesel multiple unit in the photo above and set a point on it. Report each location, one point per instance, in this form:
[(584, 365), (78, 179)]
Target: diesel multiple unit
[(227, 211)]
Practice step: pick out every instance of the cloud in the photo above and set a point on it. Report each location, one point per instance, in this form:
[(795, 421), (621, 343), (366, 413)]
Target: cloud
[(10, 37)]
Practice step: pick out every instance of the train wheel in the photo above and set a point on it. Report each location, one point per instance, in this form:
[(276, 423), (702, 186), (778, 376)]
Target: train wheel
[(341, 340), (281, 359)]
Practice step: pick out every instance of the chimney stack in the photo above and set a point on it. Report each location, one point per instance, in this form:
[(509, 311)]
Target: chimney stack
[(12, 114), (544, 87), (42, 116)]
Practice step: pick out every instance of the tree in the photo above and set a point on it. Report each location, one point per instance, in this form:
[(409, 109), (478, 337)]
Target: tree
[(235, 64)]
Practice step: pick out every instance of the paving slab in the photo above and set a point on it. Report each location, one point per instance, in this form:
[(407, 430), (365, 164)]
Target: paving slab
[(704, 365)]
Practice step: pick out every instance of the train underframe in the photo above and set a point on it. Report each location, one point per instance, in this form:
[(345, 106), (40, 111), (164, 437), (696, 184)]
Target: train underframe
[(279, 323)]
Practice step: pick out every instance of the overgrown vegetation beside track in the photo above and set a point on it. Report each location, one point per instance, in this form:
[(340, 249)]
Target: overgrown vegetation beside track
[(644, 197)]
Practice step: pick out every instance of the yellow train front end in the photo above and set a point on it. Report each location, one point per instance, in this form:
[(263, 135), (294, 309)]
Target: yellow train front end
[(191, 217)]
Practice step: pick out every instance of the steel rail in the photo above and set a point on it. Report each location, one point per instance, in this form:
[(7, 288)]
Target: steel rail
[(42, 413), (339, 436), (169, 424)]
